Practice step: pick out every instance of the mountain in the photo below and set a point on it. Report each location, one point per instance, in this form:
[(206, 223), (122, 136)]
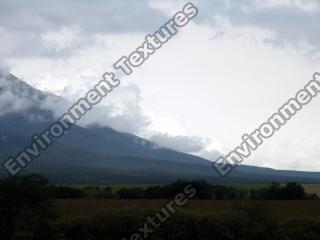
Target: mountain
[(101, 154)]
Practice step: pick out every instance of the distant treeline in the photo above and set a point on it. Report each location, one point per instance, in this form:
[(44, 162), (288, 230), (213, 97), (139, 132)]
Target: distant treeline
[(290, 191)]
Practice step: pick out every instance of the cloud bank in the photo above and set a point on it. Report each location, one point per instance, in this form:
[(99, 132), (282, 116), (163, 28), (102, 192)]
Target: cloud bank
[(218, 79)]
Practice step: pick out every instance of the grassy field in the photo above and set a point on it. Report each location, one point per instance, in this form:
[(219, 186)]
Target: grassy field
[(279, 209), (310, 188)]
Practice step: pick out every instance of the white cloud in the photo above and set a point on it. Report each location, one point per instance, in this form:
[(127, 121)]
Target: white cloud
[(190, 144), (4, 68), (306, 5), (221, 77)]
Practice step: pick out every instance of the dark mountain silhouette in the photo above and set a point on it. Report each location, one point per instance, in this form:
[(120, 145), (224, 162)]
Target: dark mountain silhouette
[(103, 155)]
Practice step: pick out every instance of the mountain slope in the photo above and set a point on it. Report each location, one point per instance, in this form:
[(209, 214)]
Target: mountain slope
[(100, 155)]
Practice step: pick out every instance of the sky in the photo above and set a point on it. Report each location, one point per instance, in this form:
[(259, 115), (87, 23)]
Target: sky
[(221, 76)]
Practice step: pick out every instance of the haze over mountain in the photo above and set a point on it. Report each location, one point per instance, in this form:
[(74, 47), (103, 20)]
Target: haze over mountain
[(102, 155)]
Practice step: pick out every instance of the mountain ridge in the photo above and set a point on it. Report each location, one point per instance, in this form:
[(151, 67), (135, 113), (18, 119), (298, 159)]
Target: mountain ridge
[(102, 154)]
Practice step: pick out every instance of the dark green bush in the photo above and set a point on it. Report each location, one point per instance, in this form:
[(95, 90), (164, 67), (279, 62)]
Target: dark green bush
[(26, 211), (301, 229), (130, 193), (63, 192)]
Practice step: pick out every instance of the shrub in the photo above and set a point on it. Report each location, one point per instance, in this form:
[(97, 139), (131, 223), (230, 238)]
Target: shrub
[(25, 209), (61, 192), (130, 193)]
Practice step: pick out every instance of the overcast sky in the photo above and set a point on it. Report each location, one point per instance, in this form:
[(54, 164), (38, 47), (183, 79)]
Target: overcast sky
[(221, 77)]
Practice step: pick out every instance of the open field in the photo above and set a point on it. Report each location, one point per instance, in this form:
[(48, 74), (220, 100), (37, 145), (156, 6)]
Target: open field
[(279, 209), (310, 188)]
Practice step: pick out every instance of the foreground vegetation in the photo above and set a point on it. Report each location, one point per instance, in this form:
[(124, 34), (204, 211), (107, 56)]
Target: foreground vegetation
[(28, 210)]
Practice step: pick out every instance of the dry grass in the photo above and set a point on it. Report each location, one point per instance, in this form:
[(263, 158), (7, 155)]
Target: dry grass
[(280, 209)]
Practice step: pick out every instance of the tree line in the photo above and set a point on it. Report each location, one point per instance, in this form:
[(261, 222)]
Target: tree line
[(275, 191)]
